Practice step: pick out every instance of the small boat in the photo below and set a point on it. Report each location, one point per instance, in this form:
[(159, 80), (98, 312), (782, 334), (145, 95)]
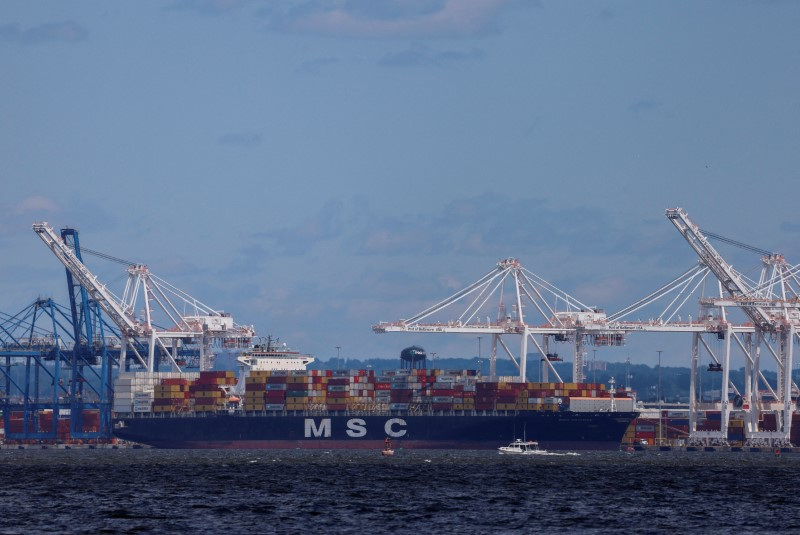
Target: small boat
[(388, 450), (521, 447)]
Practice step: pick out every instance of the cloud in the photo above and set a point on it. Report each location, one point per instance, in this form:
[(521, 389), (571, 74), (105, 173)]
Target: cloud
[(326, 225), (244, 140), (92, 216), (488, 225), (388, 18), (418, 54), (53, 32), (36, 204)]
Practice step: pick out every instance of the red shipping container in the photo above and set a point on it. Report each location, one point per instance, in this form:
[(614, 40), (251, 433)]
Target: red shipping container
[(174, 381)]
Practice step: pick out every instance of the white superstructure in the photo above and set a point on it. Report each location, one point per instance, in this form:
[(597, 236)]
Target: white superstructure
[(271, 358)]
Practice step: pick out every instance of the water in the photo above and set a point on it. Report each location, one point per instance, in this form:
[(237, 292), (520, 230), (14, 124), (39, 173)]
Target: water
[(287, 491)]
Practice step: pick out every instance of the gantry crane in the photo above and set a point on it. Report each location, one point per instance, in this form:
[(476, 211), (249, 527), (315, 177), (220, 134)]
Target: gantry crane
[(530, 296), (46, 372), (202, 326), (772, 306)]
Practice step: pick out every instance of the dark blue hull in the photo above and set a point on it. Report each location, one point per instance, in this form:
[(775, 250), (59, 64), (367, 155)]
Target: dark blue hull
[(553, 430)]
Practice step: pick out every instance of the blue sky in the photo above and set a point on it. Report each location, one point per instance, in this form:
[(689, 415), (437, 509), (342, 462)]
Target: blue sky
[(315, 167)]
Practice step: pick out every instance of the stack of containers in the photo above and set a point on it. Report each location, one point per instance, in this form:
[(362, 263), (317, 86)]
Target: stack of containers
[(134, 391), (91, 420), (441, 393), (207, 392), (172, 395), (508, 395), (297, 390), (46, 424), (736, 430), (143, 401), (383, 391), (254, 388), (16, 423), (712, 422), (337, 390), (468, 397), (362, 390), (275, 391), (645, 431), (318, 388), (485, 396), (401, 394)]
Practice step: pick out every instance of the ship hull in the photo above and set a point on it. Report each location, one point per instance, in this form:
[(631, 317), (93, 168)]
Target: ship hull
[(562, 430)]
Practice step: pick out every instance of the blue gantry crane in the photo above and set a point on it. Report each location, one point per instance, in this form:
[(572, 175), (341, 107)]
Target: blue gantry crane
[(56, 366), (49, 378)]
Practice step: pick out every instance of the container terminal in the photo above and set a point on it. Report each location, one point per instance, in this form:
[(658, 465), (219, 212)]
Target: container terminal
[(60, 363)]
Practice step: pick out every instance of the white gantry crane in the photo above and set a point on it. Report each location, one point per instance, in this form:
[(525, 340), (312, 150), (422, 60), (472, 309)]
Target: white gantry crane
[(773, 308), (157, 299), (536, 308)]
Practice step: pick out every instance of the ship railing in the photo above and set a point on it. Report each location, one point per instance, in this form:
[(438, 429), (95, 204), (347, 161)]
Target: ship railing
[(313, 412)]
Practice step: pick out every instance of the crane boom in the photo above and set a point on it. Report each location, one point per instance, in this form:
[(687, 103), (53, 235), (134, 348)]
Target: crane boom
[(88, 280), (727, 276)]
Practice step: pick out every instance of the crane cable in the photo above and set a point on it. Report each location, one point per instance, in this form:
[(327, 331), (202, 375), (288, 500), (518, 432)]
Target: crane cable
[(108, 257), (737, 243)]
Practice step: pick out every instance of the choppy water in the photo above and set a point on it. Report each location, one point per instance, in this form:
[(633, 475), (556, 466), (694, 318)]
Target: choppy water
[(126, 491)]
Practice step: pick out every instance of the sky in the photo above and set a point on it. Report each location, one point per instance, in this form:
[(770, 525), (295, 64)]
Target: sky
[(315, 167)]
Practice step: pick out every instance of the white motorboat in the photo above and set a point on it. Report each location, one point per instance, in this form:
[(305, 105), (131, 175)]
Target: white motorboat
[(521, 447)]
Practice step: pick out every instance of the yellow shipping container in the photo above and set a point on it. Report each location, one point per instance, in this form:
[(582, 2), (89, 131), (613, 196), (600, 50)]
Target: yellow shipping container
[(295, 406), (209, 394), (170, 388), (255, 380), (177, 397), (297, 380)]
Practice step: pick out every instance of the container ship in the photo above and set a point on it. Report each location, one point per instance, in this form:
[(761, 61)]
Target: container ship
[(356, 409)]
